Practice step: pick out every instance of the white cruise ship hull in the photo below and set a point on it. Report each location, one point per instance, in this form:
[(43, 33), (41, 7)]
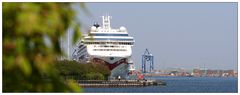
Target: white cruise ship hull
[(107, 46)]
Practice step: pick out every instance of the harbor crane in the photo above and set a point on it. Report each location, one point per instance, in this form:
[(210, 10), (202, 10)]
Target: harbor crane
[(147, 58)]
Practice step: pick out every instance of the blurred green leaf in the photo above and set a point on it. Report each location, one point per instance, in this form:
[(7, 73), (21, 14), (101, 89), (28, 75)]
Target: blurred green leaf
[(76, 34), (24, 65), (27, 58), (20, 43), (73, 85)]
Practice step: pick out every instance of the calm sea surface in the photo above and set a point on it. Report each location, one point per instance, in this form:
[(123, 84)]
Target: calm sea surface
[(180, 85)]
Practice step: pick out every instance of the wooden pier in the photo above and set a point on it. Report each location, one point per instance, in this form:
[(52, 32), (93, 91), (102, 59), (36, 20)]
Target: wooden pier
[(117, 83)]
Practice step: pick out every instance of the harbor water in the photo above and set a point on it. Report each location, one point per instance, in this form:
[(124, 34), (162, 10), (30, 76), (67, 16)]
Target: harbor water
[(179, 85)]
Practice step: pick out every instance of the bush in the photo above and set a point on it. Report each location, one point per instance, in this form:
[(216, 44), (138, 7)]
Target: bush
[(94, 76), (82, 71)]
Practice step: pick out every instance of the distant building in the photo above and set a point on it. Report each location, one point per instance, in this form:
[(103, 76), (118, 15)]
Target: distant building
[(197, 73)]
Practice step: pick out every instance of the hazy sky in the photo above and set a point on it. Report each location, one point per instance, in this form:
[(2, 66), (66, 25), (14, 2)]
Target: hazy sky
[(179, 35)]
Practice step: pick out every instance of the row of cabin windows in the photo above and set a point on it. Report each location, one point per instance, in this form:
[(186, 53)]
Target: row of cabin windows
[(107, 39), (109, 46), (108, 34), (109, 50), (120, 43)]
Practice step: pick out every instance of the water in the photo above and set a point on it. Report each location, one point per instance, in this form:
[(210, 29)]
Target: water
[(180, 85)]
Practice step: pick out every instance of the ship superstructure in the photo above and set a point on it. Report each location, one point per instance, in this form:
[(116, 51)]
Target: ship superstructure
[(107, 46)]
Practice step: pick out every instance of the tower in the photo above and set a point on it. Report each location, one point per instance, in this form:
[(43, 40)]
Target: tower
[(147, 58)]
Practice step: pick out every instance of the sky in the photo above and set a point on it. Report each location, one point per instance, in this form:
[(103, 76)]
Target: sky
[(179, 35)]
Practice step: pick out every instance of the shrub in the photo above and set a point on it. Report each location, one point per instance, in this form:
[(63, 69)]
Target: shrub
[(82, 71), (94, 76)]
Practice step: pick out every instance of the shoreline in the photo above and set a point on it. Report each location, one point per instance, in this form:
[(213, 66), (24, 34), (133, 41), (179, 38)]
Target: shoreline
[(120, 83)]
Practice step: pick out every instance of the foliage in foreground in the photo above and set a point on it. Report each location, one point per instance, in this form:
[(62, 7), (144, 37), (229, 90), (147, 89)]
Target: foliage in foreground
[(27, 57), (81, 71)]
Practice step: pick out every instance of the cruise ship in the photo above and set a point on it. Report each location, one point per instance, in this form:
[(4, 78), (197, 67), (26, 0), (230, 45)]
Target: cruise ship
[(107, 46)]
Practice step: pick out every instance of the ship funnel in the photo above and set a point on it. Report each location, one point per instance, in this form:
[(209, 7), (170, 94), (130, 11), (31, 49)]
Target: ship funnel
[(96, 24)]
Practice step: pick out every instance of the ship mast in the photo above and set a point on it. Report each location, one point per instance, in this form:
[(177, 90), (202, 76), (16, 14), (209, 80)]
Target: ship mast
[(106, 22)]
